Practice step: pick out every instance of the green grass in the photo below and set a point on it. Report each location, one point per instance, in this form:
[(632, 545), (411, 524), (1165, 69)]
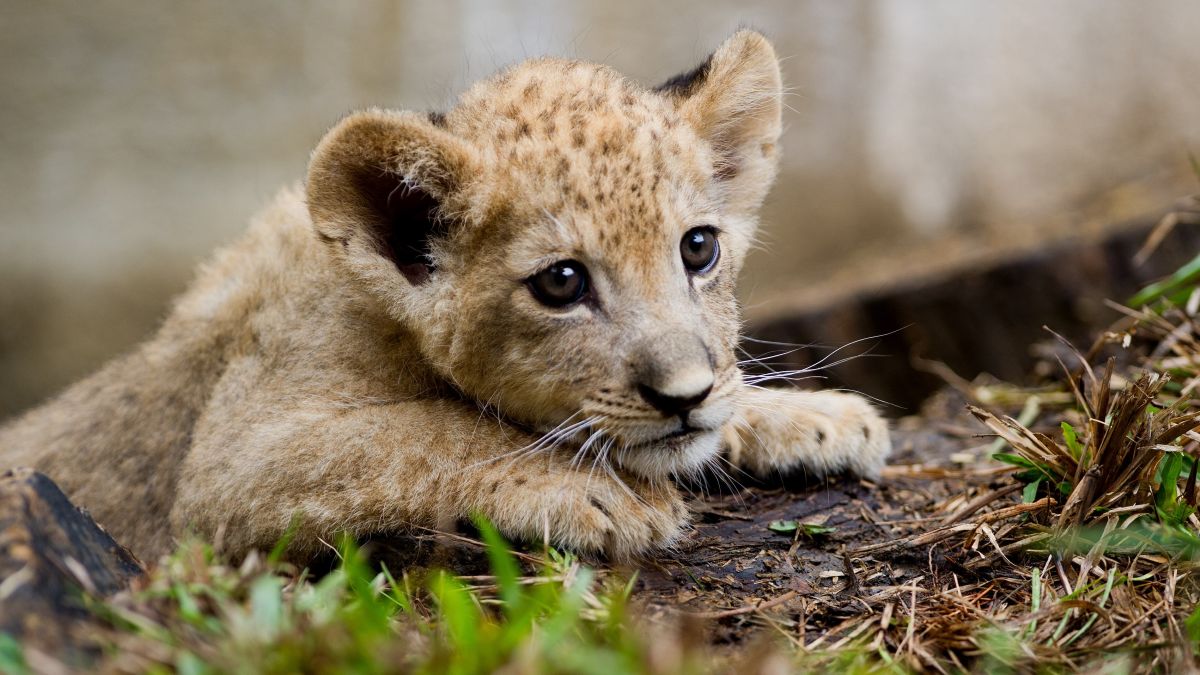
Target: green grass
[(196, 615), (199, 615), (1176, 288)]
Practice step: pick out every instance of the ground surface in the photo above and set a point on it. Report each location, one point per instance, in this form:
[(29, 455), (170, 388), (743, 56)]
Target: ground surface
[(734, 560), (741, 576), (734, 557)]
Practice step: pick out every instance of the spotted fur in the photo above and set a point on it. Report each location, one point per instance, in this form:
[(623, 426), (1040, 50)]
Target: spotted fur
[(369, 357)]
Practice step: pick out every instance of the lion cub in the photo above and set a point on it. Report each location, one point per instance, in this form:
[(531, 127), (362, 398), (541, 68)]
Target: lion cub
[(522, 308)]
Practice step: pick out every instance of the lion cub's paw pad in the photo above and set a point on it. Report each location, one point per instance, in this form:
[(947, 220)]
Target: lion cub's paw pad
[(826, 432), (622, 521)]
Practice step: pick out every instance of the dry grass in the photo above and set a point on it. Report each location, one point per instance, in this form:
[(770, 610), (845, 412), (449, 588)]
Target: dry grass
[(1097, 566)]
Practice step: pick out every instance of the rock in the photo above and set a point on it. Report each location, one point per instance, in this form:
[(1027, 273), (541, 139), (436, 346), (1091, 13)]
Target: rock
[(51, 554)]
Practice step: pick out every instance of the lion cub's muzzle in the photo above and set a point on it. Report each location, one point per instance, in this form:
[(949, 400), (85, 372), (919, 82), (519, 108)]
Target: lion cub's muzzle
[(673, 374)]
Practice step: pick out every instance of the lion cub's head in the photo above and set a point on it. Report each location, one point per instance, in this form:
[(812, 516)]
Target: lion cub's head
[(563, 244)]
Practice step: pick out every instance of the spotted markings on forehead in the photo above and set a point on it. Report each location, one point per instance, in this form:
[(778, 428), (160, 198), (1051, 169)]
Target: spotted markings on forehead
[(584, 144)]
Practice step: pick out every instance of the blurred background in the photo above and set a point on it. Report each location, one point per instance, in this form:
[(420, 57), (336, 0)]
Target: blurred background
[(921, 135)]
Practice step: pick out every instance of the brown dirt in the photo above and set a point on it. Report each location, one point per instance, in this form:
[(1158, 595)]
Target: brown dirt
[(734, 562)]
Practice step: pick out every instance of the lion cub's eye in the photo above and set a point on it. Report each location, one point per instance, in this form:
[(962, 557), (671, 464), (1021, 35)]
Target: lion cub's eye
[(560, 284), (700, 249)]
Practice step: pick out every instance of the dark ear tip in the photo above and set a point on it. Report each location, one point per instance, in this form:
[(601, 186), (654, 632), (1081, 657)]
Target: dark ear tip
[(744, 43), (685, 83)]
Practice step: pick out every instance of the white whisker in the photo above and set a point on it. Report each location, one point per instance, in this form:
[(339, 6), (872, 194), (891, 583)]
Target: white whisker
[(828, 356), (866, 395), (548, 440), (612, 473), (584, 447)]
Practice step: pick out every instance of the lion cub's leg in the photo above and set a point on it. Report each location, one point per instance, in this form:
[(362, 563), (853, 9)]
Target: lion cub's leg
[(388, 468), (786, 432)]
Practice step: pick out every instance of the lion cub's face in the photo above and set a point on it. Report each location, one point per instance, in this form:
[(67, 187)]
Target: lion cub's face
[(563, 243)]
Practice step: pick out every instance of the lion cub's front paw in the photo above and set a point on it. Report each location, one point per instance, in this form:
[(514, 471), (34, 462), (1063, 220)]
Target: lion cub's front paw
[(785, 432), (619, 517)]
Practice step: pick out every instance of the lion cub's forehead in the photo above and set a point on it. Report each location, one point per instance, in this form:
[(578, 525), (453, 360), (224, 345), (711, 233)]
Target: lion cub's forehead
[(581, 143)]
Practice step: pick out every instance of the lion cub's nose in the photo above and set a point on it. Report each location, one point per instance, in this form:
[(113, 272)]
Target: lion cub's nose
[(679, 393)]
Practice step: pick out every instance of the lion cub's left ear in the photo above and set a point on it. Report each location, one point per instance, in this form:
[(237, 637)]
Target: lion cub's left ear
[(735, 101)]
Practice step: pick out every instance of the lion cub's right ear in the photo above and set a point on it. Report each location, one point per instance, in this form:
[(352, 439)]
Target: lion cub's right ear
[(381, 185)]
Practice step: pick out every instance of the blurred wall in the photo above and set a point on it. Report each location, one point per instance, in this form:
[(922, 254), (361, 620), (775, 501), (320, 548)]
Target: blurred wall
[(137, 136)]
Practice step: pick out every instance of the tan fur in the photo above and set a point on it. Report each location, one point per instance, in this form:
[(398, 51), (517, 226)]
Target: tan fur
[(311, 372)]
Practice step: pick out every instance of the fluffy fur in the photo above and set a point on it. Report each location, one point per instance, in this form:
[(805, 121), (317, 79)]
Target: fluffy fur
[(369, 356)]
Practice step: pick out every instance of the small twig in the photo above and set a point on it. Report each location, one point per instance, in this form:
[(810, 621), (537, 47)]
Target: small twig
[(737, 611), (979, 502), (934, 536)]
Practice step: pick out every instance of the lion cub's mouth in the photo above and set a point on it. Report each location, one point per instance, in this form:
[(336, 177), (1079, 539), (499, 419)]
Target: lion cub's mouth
[(680, 452), (681, 437)]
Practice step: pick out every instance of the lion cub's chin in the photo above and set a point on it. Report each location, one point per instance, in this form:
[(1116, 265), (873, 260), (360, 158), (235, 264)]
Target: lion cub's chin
[(682, 456)]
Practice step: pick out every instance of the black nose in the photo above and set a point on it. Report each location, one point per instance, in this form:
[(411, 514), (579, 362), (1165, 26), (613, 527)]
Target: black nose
[(672, 405)]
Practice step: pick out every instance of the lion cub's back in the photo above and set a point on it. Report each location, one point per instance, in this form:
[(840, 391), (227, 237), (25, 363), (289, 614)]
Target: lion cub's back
[(115, 441)]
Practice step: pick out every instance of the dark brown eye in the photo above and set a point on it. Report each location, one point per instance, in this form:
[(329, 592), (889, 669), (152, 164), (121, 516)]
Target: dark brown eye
[(560, 284), (699, 249)]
